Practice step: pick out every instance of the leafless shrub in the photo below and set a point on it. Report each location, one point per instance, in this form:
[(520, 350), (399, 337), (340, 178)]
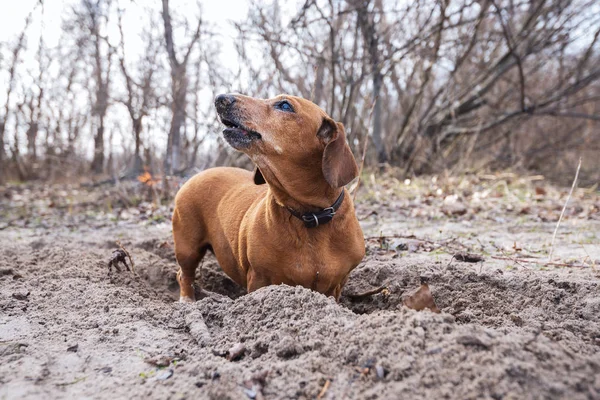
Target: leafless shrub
[(452, 84)]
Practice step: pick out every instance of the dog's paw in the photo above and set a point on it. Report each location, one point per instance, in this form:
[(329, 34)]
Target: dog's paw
[(183, 299)]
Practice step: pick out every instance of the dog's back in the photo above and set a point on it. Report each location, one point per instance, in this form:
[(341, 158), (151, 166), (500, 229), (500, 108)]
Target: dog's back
[(201, 221), (210, 186)]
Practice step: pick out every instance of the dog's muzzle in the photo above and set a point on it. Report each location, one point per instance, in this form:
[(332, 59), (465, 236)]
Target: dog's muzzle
[(235, 133), (223, 103)]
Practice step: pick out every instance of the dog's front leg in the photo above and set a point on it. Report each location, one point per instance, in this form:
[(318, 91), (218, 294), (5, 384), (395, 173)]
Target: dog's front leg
[(337, 291), (188, 262), (186, 287), (256, 281)]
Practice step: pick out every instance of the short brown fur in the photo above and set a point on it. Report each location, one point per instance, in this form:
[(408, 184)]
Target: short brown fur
[(305, 161)]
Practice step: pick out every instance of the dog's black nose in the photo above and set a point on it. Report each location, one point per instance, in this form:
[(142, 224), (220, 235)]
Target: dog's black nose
[(224, 101)]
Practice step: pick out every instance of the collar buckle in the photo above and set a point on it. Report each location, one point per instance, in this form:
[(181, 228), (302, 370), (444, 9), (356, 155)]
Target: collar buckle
[(329, 210), (310, 220), (313, 220)]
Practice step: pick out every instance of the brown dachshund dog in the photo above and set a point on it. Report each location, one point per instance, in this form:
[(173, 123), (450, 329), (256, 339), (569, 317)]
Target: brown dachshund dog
[(298, 229)]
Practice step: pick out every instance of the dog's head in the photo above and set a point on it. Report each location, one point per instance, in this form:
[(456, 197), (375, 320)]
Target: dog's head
[(288, 138)]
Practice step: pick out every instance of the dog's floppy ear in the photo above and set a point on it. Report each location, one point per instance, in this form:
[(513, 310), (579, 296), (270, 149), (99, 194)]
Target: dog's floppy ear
[(339, 166), (259, 179)]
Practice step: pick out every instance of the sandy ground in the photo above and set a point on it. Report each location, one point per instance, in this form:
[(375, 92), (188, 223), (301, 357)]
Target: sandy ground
[(507, 330)]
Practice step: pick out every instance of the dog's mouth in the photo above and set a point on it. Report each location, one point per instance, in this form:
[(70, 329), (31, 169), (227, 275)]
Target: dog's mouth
[(237, 135)]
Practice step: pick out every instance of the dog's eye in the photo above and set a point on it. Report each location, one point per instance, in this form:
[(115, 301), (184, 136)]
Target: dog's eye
[(284, 106)]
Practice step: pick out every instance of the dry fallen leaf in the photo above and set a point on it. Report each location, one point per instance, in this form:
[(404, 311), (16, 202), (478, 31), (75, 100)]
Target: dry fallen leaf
[(159, 361), (421, 299), (525, 210)]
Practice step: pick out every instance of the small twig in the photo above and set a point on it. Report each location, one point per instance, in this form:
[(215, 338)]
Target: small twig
[(373, 212), (118, 242), (445, 245), (62, 384), (380, 237), (449, 263), (358, 296), (514, 259), (312, 90), (521, 260), (324, 390), (587, 256), (563, 210), (364, 152)]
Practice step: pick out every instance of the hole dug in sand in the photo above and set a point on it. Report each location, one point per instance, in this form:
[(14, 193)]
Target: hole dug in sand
[(158, 267), (563, 307)]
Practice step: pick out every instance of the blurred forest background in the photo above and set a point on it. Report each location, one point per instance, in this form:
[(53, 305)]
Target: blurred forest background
[(432, 85)]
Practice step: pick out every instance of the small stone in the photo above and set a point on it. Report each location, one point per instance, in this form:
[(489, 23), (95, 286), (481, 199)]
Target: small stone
[(380, 371), (21, 296), (165, 375)]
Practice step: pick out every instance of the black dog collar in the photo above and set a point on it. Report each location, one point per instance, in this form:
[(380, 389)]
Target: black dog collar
[(312, 220)]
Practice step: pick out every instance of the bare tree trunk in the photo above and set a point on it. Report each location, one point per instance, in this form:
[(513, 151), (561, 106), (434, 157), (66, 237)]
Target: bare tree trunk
[(179, 84), (138, 163), (102, 80), (31, 134), (377, 132), (100, 107), (139, 94), (367, 25), (11, 79), (35, 102), (2, 152), (98, 160), (178, 109)]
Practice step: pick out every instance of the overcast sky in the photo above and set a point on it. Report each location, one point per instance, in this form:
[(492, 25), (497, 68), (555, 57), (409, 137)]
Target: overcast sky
[(218, 13), (13, 16)]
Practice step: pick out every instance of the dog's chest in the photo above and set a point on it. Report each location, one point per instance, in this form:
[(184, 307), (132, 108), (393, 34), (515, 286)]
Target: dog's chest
[(311, 265)]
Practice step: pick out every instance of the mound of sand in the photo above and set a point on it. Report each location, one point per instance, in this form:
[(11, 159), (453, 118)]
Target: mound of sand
[(68, 330)]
